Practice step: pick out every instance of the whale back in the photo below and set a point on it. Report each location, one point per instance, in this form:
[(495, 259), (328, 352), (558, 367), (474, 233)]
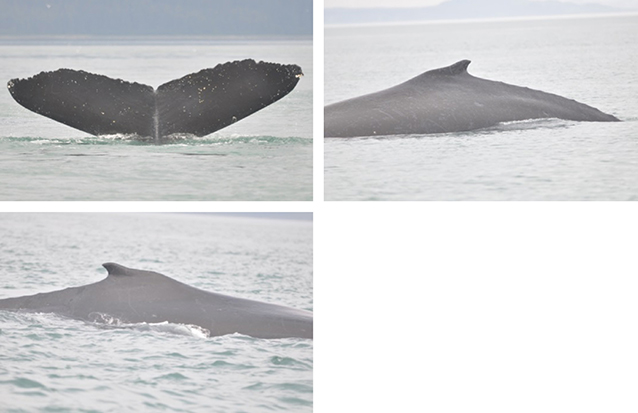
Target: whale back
[(448, 99), (136, 296)]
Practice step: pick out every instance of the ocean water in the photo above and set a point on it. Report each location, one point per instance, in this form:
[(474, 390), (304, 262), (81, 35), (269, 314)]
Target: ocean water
[(591, 60), (266, 156), (49, 363)]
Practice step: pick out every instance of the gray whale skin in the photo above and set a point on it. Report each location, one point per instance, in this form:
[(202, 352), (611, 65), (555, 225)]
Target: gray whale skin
[(135, 296), (197, 104), (448, 100)]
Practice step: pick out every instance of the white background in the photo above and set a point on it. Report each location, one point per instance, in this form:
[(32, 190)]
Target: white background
[(464, 307)]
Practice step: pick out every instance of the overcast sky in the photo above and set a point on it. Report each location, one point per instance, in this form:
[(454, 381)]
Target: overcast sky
[(424, 3)]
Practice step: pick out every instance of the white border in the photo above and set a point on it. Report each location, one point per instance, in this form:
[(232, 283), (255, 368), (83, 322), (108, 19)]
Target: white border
[(318, 75)]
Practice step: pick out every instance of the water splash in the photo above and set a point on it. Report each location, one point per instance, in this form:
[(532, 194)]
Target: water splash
[(106, 320), (171, 140)]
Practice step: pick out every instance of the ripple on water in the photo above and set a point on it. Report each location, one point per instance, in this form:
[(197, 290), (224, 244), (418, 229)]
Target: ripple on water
[(295, 401), (231, 366), (295, 387), (172, 377), (287, 361), (25, 383)]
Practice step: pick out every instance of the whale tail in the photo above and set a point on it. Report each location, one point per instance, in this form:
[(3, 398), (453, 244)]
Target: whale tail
[(199, 104)]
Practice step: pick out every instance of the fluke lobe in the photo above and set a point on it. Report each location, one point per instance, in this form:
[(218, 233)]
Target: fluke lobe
[(135, 296), (448, 100), (197, 104)]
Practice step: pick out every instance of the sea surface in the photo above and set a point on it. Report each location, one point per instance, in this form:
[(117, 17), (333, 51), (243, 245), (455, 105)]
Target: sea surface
[(49, 363), (592, 60), (266, 156)]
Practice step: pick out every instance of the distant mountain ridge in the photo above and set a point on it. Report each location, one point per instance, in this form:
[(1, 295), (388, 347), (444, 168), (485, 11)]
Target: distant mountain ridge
[(463, 9), (155, 17)]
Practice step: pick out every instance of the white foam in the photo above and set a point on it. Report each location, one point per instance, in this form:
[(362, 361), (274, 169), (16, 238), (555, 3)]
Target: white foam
[(161, 327)]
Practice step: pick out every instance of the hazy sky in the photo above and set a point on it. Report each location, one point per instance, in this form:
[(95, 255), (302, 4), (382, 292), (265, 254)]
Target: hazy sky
[(424, 3)]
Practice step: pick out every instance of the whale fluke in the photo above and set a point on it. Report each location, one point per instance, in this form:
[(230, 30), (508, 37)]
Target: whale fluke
[(198, 104), (91, 103)]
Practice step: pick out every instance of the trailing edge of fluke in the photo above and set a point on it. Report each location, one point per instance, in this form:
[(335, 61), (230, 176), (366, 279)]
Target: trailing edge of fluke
[(198, 104)]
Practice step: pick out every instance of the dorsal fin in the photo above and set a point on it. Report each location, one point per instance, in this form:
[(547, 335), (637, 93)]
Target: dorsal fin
[(117, 269), (457, 68)]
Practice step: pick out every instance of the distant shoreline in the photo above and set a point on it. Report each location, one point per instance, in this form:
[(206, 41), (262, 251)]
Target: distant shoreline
[(484, 20), (109, 39)]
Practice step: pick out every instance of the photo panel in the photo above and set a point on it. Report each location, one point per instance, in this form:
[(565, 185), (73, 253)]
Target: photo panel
[(139, 311)]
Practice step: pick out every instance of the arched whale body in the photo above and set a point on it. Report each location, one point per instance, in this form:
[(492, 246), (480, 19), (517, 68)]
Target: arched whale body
[(198, 104), (448, 100), (135, 296)]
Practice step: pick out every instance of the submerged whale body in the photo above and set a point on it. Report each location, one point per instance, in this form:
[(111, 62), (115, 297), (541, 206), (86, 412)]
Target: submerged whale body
[(135, 296), (448, 100), (198, 104)]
